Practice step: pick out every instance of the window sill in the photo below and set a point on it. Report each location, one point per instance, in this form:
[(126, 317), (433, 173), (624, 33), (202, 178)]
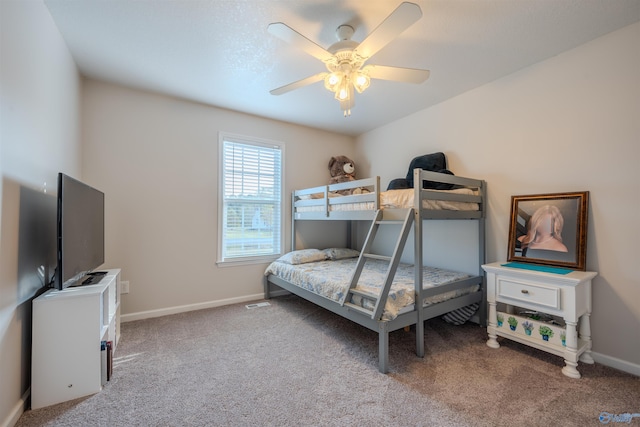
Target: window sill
[(247, 261)]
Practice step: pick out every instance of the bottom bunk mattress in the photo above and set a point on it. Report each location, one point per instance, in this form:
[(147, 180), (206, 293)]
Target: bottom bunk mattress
[(330, 279)]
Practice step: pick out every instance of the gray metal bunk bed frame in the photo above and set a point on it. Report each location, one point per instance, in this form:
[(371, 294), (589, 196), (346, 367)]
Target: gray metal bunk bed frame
[(377, 216)]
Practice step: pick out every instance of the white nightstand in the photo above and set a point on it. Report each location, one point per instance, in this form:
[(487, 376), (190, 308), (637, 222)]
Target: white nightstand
[(565, 296)]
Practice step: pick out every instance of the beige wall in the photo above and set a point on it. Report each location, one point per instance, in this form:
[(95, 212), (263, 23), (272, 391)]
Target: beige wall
[(39, 125), (570, 123), (156, 159)]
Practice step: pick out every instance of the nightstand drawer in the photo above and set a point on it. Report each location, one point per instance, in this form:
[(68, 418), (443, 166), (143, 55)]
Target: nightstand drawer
[(528, 292)]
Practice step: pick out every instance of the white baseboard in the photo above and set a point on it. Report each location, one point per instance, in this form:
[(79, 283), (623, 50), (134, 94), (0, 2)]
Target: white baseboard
[(619, 364), (17, 411), (191, 307)]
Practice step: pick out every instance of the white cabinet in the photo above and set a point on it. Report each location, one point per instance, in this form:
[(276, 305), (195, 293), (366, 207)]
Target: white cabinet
[(68, 328), (544, 310)]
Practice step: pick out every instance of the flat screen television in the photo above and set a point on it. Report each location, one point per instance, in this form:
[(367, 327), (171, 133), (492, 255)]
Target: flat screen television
[(80, 232)]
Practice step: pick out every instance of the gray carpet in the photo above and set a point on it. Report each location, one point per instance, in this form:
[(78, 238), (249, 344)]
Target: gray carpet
[(294, 364)]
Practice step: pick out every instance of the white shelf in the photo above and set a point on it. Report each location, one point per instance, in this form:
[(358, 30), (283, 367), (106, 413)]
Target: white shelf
[(68, 327), (537, 342)]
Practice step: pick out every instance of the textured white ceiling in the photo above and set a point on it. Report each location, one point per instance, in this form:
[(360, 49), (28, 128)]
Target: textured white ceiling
[(218, 52)]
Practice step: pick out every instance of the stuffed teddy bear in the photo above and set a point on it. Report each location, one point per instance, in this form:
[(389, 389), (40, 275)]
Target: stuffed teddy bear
[(343, 169)]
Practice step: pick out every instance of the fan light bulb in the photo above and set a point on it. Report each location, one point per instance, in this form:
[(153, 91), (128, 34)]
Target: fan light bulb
[(343, 91), (332, 81), (361, 81)]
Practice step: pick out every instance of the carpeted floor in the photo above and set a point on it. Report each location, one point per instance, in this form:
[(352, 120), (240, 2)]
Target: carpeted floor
[(294, 364)]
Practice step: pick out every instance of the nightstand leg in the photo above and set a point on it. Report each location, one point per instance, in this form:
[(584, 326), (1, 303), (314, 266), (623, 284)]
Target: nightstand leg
[(491, 327), (571, 352), (585, 334)]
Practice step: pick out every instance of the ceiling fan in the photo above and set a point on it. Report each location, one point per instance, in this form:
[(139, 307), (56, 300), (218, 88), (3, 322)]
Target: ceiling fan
[(345, 59)]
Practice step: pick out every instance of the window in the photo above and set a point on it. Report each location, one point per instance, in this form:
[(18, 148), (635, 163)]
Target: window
[(250, 202)]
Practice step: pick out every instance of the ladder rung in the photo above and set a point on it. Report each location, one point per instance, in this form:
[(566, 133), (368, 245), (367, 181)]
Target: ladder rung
[(374, 256), (359, 309), (364, 294), (389, 222)]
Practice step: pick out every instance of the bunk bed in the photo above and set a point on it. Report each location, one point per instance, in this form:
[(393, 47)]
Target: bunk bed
[(378, 291)]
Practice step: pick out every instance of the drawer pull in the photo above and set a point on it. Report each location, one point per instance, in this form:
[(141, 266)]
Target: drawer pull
[(524, 291)]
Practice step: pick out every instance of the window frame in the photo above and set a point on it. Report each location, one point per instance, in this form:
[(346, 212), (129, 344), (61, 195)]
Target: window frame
[(252, 141)]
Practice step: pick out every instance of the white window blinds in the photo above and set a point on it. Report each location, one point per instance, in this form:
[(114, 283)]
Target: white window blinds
[(251, 188)]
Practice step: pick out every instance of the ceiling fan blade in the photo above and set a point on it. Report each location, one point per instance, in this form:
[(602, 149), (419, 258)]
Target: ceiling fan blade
[(400, 19), (294, 38), (398, 74), (300, 83)]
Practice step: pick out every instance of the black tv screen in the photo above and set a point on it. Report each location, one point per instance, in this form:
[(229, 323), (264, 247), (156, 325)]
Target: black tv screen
[(80, 231)]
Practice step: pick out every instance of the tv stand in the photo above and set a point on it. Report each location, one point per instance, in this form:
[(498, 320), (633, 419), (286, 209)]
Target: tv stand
[(69, 326)]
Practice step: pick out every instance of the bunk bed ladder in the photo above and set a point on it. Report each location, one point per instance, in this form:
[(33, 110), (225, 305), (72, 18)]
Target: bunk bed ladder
[(403, 217)]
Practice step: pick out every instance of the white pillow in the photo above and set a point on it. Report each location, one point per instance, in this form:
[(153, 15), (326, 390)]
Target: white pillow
[(303, 256), (340, 253)]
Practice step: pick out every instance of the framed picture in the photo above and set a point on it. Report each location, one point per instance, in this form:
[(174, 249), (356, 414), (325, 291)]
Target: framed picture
[(549, 229)]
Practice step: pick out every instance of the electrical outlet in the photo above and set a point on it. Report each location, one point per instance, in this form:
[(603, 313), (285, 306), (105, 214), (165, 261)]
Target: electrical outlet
[(124, 287)]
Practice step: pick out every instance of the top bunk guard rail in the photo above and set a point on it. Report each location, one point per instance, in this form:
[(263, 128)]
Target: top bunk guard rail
[(324, 202), (358, 183), (311, 197), (446, 178), (475, 185), (364, 182)]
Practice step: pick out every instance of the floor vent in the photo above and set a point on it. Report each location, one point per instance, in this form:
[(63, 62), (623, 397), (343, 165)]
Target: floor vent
[(259, 304)]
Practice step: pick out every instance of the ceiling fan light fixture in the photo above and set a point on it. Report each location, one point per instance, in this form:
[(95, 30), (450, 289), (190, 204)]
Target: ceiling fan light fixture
[(343, 84), (345, 60), (361, 81), (332, 81)]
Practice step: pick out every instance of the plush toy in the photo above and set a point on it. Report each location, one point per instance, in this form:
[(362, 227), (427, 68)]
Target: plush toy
[(342, 169)]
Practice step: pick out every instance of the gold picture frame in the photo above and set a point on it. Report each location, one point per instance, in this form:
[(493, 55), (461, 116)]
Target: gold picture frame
[(549, 229)]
